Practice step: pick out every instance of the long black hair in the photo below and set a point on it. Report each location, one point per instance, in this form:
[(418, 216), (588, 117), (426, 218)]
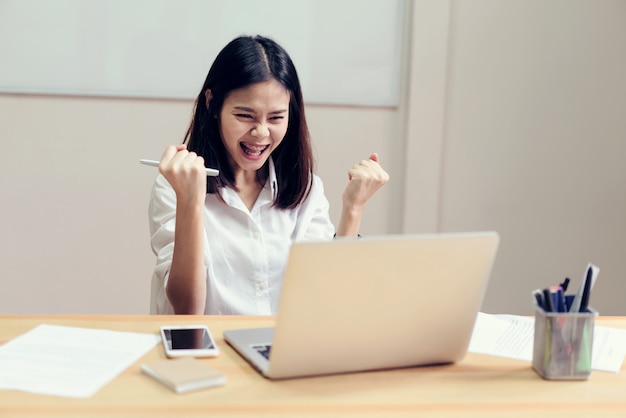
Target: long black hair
[(244, 61)]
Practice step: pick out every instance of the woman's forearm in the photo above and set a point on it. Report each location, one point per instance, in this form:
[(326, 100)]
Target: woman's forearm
[(186, 287), (350, 222)]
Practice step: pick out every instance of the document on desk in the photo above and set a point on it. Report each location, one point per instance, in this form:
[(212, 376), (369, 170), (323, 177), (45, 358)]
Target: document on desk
[(69, 361), (512, 336)]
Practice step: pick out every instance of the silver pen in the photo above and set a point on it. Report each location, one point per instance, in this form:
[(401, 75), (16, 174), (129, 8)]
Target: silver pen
[(209, 171)]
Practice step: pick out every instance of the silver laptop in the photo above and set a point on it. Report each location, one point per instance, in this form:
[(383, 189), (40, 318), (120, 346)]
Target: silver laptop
[(383, 302)]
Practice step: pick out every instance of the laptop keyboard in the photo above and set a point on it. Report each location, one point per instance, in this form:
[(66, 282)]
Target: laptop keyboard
[(263, 350)]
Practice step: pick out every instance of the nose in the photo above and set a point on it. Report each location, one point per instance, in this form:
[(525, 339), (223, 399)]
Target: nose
[(260, 130)]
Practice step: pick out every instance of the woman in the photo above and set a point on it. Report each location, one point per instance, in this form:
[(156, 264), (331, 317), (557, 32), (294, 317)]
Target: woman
[(222, 242)]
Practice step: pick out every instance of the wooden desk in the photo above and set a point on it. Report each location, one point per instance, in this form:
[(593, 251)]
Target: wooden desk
[(479, 386)]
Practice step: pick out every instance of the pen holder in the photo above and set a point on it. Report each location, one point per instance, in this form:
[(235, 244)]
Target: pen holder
[(563, 344)]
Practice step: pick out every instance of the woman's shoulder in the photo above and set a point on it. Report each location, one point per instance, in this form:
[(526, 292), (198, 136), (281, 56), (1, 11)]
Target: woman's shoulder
[(317, 185), (316, 195), (317, 180)]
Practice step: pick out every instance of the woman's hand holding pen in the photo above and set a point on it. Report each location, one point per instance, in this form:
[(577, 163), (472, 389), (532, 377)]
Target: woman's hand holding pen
[(186, 286), (185, 172)]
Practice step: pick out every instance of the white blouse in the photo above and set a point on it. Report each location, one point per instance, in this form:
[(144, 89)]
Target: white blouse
[(245, 252)]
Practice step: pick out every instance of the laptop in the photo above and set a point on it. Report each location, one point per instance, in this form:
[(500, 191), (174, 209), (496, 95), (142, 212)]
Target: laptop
[(352, 305)]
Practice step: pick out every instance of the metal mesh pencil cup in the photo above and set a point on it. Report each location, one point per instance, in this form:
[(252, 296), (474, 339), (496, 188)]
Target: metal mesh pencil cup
[(563, 344)]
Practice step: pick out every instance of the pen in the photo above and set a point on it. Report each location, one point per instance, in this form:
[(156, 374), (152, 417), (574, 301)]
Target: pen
[(548, 302), (557, 300), (209, 171), (538, 294)]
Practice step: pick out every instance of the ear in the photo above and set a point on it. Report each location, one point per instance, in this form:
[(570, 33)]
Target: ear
[(207, 95)]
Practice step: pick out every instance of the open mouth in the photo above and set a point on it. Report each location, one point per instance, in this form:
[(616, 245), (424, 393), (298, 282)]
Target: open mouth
[(253, 150)]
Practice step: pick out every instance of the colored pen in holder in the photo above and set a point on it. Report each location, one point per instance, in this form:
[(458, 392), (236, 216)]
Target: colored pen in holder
[(563, 344)]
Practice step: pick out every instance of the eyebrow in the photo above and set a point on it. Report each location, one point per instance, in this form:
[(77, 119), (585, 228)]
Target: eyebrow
[(247, 109)]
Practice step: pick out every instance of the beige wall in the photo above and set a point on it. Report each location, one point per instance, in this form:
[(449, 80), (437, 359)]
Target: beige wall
[(525, 136), (512, 119)]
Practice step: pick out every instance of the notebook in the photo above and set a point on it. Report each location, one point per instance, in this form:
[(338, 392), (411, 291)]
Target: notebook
[(352, 305), (184, 374)]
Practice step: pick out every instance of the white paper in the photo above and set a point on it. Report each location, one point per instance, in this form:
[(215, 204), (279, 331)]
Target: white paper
[(69, 361), (512, 336)]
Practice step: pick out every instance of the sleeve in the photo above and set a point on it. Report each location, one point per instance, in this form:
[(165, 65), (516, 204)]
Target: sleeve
[(162, 218), (314, 221)]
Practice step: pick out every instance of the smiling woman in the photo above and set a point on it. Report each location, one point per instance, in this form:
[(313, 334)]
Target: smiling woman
[(253, 123), (222, 242)]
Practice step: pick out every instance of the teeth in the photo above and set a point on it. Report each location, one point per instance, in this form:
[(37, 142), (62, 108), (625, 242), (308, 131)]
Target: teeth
[(253, 149)]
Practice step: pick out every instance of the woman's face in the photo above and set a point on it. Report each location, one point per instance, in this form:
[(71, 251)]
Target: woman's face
[(253, 122)]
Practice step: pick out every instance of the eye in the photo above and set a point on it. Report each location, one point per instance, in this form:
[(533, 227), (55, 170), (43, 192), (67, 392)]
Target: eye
[(243, 115), (277, 118)]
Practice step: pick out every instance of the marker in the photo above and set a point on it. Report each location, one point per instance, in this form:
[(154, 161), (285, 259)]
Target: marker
[(584, 301), (591, 275), (209, 171), (556, 300), (557, 293)]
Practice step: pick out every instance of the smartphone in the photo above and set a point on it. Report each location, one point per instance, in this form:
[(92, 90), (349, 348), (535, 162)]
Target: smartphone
[(188, 340)]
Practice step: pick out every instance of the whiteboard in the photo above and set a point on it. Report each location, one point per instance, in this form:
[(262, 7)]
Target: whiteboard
[(347, 52)]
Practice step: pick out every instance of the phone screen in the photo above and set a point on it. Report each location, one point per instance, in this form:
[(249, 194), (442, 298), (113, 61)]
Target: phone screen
[(188, 339)]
